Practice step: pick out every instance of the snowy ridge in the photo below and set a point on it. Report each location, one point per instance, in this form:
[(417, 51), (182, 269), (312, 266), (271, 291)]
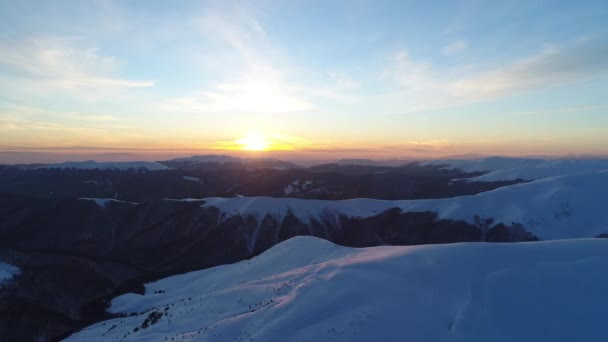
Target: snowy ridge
[(502, 169), (184, 199), (7, 272), (550, 208), (92, 165), (307, 289), (103, 202), (549, 168)]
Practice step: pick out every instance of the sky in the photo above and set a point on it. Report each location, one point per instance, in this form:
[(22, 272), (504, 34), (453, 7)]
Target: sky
[(305, 79)]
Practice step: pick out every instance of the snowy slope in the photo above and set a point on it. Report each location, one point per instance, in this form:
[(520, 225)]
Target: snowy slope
[(550, 208), (547, 168), (7, 272), (91, 164), (500, 169), (306, 289)]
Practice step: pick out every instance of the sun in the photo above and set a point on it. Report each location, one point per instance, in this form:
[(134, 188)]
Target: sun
[(253, 141)]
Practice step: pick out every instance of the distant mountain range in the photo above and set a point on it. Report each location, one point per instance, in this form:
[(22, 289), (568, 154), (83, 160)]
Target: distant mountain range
[(75, 235), (93, 165), (201, 162), (369, 162)]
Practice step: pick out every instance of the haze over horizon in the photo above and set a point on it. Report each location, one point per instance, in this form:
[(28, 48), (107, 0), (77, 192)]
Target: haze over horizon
[(303, 81)]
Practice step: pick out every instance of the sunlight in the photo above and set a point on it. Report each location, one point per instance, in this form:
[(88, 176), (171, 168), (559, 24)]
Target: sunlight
[(253, 141)]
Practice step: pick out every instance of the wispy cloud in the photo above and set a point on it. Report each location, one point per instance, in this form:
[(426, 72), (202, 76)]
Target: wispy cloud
[(12, 124), (260, 78), (260, 86), (455, 47), (63, 63), (384, 150), (424, 87), (452, 28), (19, 117), (260, 90), (408, 72), (93, 117), (343, 80), (576, 109), (551, 67)]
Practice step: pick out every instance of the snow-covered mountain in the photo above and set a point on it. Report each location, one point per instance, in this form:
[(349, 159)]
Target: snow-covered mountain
[(81, 236), (307, 289), (92, 165), (500, 168), (551, 208)]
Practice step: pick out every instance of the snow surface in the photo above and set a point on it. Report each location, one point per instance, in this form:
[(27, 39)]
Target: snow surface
[(102, 202), (501, 169), (551, 208), (7, 272), (307, 289), (185, 199), (288, 189), (297, 186), (91, 165), (191, 179)]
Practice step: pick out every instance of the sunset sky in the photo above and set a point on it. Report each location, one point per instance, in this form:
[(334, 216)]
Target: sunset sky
[(316, 79)]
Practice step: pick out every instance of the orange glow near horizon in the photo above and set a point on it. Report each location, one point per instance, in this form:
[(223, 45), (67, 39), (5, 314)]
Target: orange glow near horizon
[(253, 141), (256, 141)]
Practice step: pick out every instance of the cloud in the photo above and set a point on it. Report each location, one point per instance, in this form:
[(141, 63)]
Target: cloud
[(343, 80), (18, 117), (423, 87), (551, 67), (10, 123), (563, 110), (453, 28), (408, 72), (62, 63), (455, 47), (88, 117), (258, 78), (261, 89), (419, 146)]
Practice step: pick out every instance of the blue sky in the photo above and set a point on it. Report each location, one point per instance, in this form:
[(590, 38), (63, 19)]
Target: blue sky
[(354, 78)]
